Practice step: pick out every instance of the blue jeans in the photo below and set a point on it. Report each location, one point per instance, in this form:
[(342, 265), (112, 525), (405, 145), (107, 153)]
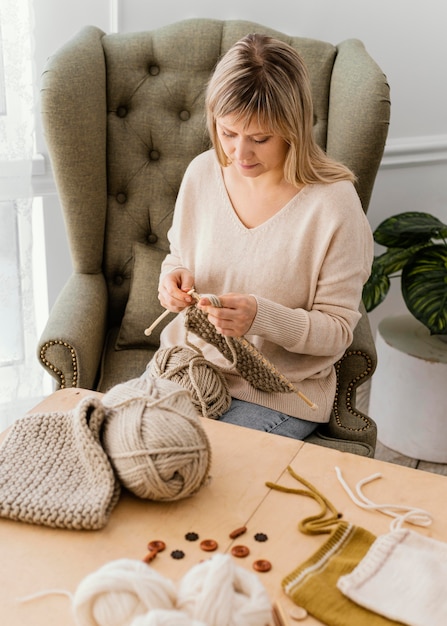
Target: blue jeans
[(270, 421)]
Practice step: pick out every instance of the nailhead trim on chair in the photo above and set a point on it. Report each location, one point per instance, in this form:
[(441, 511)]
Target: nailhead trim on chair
[(56, 370), (352, 384)]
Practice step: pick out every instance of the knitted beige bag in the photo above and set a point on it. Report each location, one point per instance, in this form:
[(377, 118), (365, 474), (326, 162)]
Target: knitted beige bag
[(54, 471)]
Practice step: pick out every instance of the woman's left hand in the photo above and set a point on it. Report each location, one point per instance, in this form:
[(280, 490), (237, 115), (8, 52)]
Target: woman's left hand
[(235, 315)]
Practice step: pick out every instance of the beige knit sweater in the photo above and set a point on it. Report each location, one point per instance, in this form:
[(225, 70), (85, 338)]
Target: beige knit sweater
[(306, 266)]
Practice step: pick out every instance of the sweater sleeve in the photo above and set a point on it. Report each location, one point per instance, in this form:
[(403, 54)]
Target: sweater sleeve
[(326, 327)]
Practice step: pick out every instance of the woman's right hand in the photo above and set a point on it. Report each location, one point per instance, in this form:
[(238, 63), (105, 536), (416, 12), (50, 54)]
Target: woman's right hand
[(173, 289)]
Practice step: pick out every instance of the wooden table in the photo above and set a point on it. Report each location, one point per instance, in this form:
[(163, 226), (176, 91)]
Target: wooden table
[(35, 558)]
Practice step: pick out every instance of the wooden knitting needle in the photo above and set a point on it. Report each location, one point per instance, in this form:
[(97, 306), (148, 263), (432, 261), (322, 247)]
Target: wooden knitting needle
[(161, 317), (312, 405)]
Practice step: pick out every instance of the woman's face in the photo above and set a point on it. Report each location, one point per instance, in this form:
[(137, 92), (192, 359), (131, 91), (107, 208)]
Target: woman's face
[(251, 149)]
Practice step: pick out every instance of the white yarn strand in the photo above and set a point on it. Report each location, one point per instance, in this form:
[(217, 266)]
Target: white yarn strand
[(401, 513), (44, 593)]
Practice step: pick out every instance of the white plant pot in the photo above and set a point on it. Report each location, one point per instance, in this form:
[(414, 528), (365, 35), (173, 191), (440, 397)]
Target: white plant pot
[(408, 398)]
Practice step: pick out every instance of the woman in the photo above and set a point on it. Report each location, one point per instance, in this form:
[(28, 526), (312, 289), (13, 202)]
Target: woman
[(266, 221)]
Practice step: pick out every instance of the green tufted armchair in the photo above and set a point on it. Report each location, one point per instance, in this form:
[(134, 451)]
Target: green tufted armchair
[(123, 115)]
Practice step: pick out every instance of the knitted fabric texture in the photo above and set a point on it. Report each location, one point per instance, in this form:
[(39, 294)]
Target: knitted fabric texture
[(242, 354), (313, 584), (54, 472), (403, 576)]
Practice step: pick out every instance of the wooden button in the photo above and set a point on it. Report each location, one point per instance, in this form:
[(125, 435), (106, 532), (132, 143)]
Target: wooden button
[(288, 612), (156, 545), (177, 554), (261, 537), (298, 613), (191, 536), (262, 565), (208, 545), (150, 556), (238, 532), (240, 551)]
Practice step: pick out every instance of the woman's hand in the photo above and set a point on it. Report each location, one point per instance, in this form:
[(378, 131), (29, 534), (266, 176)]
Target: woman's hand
[(173, 289), (235, 315)]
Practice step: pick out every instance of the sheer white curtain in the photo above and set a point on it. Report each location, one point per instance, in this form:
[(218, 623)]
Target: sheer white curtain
[(21, 376)]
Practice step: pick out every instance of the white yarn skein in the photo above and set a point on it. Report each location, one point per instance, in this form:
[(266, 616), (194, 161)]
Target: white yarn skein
[(220, 593), (118, 592), (163, 617)]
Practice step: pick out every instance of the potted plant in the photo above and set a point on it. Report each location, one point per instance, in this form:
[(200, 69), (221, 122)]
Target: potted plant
[(416, 245), (408, 391)]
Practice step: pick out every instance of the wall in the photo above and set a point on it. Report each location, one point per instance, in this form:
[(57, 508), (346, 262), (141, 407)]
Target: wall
[(406, 39)]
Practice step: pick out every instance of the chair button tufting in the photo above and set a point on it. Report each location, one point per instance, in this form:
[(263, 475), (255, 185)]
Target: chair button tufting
[(121, 197), (152, 238), (154, 155), (154, 70), (121, 111), (118, 280), (184, 115)]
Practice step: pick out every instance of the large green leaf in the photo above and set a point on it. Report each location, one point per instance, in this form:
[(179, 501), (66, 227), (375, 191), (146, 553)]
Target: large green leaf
[(375, 290), (394, 259), (409, 228), (424, 288)]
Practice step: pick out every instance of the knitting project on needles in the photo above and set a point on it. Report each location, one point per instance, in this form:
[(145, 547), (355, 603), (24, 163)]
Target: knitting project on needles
[(242, 354)]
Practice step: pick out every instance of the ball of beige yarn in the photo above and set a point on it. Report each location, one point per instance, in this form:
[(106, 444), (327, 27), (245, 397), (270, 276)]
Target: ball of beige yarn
[(155, 440), (189, 368)]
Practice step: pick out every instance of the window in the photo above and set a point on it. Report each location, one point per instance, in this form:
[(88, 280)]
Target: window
[(22, 267)]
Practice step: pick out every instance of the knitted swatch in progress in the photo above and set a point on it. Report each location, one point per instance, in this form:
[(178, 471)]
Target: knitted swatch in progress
[(243, 356)]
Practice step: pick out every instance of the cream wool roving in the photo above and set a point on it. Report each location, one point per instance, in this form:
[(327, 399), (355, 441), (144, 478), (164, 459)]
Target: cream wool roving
[(220, 593), (119, 591), (155, 440), (215, 592), (163, 617)]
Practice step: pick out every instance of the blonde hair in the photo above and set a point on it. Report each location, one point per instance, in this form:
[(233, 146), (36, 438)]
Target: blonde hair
[(263, 79)]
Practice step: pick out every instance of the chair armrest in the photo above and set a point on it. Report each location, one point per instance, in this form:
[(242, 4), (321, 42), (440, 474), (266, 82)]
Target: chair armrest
[(72, 342), (355, 367), (347, 423)]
